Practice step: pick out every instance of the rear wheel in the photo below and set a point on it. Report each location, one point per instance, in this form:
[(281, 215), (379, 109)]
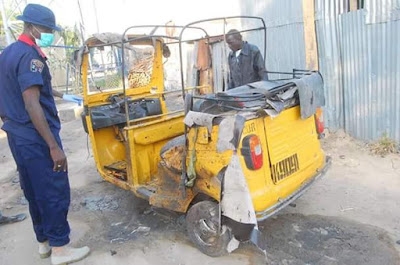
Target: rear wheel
[(202, 222)]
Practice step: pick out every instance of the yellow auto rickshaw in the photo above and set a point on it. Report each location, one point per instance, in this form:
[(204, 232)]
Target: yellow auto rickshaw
[(227, 158)]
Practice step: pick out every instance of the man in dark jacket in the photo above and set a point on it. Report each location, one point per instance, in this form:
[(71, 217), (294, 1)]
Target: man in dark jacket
[(246, 63)]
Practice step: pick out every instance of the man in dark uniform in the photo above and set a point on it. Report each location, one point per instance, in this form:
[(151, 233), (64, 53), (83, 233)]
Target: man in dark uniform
[(246, 64), (30, 119)]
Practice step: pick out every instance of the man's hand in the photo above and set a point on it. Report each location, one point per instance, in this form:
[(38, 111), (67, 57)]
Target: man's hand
[(59, 159), (73, 98)]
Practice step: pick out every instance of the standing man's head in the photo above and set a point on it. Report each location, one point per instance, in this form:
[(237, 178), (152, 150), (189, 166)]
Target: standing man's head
[(234, 40), (39, 24)]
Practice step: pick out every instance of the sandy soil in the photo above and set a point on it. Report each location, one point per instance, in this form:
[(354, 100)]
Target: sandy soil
[(349, 217)]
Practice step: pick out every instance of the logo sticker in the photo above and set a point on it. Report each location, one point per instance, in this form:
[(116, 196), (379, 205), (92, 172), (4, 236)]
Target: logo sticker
[(36, 66)]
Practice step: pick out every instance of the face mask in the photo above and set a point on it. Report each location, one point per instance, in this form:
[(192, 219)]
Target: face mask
[(46, 39)]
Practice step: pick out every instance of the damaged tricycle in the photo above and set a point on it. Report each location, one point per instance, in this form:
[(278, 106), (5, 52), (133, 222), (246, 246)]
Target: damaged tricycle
[(227, 158)]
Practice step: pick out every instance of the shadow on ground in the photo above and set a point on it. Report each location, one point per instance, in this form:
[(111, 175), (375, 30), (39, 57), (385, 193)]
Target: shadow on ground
[(118, 218)]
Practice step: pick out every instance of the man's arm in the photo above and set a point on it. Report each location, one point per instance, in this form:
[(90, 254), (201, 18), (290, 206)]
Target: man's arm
[(260, 66), (32, 105), (71, 98), (57, 94)]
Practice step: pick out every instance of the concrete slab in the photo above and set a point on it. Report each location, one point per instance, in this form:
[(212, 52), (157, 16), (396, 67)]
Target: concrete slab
[(68, 111)]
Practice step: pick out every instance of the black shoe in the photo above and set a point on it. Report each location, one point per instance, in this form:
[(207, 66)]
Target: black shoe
[(12, 219)]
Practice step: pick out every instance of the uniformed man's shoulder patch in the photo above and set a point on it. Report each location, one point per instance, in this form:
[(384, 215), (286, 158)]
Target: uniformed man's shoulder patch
[(36, 66)]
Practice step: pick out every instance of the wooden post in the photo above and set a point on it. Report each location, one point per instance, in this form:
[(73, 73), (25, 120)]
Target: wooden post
[(310, 36), (353, 5)]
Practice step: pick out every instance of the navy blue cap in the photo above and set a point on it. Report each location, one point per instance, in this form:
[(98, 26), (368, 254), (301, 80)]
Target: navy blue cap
[(39, 15)]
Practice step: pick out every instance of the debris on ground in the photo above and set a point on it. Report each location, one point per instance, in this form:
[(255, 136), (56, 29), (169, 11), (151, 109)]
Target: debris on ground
[(346, 209), (113, 252), (23, 201), (320, 230), (148, 211), (15, 180), (106, 203), (142, 229), (384, 146)]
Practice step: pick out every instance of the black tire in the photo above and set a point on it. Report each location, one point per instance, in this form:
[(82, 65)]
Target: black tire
[(202, 226)]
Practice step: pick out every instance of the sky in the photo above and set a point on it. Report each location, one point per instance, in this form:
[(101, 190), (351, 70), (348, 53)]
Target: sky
[(116, 15)]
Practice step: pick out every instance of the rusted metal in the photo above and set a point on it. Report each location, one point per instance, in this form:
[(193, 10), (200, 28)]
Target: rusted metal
[(167, 194), (118, 169), (172, 158)]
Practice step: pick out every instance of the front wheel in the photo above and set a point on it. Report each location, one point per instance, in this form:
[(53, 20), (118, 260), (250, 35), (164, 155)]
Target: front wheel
[(202, 221)]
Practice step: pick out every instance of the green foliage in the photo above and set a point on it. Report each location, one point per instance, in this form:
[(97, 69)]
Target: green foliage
[(71, 38), (384, 146)]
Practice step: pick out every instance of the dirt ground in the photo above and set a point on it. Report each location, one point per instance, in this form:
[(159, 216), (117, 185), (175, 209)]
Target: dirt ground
[(351, 216)]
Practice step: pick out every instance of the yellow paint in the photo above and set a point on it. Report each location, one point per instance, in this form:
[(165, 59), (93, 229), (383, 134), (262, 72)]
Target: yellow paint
[(139, 145), (284, 135)]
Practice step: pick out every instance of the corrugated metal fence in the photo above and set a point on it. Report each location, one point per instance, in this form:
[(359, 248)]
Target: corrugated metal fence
[(285, 32), (328, 36), (359, 58), (360, 61), (382, 10), (371, 76)]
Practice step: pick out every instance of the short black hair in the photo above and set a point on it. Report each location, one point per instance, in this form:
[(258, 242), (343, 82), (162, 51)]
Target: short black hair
[(235, 33)]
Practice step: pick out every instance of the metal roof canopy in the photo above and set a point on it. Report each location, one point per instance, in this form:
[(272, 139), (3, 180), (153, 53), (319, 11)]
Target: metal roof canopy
[(181, 40), (224, 20)]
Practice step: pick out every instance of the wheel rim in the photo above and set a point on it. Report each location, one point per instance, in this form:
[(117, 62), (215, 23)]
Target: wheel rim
[(206, 232)]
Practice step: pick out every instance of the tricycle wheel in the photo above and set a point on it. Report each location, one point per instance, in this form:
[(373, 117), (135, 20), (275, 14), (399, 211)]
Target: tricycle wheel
[(202, 221)]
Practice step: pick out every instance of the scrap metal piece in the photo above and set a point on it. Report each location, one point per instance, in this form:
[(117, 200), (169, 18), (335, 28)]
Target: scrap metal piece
[(201, 119), (287, 94), (257, 239), (276, 105), (236, 202), (237, 207), (311, 94), (225, 134), (233, 245), (230, 133), (237, 131), (271, 112)]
